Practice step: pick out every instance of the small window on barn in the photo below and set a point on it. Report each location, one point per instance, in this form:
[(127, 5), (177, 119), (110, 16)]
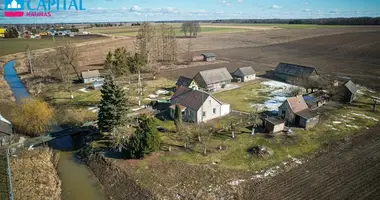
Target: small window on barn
[(204, 114), (209, 101), (214, 110)]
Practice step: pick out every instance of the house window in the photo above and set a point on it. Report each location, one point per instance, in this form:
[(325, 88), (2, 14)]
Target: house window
[(204, 114), (209, 101), (214, 110)]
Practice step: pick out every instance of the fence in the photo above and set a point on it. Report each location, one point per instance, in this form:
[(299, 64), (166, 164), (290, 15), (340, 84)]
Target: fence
[(5, 176)]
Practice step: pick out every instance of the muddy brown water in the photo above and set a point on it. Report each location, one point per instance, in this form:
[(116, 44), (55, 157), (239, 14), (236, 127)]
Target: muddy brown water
[(78, 182)]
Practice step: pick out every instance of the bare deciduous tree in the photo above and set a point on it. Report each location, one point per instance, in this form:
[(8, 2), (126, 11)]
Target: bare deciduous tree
[(70, 57)]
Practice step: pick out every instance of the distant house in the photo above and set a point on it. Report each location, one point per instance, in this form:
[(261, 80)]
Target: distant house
[(197, 106), (274, 124), (208, 57), (245, 74), (293, 73), (296, 112), (213, 79), (97, 85), (186, 82), (91, 76), (3, 31), (349, 90)]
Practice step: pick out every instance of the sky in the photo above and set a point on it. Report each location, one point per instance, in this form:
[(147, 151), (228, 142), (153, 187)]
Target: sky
[(157, 10)]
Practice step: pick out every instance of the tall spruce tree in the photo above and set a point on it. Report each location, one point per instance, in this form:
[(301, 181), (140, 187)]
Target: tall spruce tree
[(145, 139), (113, 106)]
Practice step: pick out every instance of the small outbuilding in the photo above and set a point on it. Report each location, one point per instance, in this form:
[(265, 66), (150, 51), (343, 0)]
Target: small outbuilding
[(295, 74), (97, 85), (213, 79), (208, 57), (245, 74), (186, 82), (91, 76), (274, 124), (349, 91), (308, 119)]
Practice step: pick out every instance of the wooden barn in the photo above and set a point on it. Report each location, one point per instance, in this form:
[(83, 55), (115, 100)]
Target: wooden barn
[(294, 74), (296, 112), (213, 79), (91, 76), (245, 74), (274, 124)]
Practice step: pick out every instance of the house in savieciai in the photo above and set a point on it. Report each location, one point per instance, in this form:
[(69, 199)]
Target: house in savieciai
[(197, 106)]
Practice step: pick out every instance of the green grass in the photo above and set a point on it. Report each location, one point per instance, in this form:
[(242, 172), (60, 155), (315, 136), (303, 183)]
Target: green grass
[(304, 142), (242, 98), (10, 46)]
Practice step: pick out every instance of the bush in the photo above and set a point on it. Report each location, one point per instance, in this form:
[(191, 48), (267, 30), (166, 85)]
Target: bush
[(69, 118), (32, 117)]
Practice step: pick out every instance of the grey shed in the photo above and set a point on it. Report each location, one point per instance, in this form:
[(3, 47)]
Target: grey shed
[(208, 56)]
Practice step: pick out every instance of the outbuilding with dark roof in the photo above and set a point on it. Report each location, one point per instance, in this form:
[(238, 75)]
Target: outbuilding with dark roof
[(208, 57), (293, 73), (186, 82), (349, 90)]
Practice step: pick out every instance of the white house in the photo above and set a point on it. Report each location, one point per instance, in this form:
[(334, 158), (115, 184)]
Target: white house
[(245, 74), (197, 106), (91, 76)]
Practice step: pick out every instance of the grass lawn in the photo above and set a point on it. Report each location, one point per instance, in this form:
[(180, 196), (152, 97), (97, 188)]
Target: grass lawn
[(10, 46), (242, 98), (337, 122)]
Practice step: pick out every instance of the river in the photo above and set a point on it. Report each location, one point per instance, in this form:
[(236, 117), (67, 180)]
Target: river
[(78, 182)]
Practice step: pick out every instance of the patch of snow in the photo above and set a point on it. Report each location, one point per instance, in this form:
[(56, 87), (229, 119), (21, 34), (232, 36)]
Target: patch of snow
[(125, 88), (139, 108), (336, 122), (365, 116), (83, 90), (335, 129), (153, 96), (92, 108), (236, 182), (159, 92), (148, 99), (352, 126)]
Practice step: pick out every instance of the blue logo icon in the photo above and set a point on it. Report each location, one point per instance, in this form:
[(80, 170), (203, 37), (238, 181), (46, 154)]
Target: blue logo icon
[(14, 5)]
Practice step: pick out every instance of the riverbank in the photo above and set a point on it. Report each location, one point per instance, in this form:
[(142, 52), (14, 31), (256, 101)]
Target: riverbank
[(34, 175)]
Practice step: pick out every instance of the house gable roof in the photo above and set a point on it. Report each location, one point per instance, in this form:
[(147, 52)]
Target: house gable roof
[(184, 81), (5, 128), (307, 114), (208, 55), (294, 70), (351, 87), (192, 99), (297, 104), (90, 74), (215, 75), (246, 71)]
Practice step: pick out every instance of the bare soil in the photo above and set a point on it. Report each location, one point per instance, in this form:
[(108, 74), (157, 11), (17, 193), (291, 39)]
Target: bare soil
[(350, 170)]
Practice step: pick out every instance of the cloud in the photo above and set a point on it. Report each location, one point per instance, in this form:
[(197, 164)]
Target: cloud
[(198, 12), (336, 11), (224, 3), (136, 8), (164, 10), (306, 3), (275, 7), (239, 1), (306, 10)]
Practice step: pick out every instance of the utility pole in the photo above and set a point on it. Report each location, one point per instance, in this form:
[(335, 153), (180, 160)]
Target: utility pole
[(30, 62), (139, 89)]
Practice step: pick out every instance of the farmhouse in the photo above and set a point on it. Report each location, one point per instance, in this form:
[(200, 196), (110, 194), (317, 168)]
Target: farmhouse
[(213, 79), (186, 82), (349, 91), (293, 73), (274, 124), (91, 76), (296, 112), (245, 73), (197, 106), (209, 57)]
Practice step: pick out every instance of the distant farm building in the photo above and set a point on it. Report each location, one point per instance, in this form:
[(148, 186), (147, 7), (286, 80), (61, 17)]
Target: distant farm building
[(197, 106), (293, 73), (349, 90), (91, 76), (97, 85), (205, 57), (317, 99), (274, 124), (213, 79), (296, 112), (245, 74), (186, 82)]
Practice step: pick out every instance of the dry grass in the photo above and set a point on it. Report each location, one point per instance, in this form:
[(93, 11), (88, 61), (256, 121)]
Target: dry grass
[(34, 175)]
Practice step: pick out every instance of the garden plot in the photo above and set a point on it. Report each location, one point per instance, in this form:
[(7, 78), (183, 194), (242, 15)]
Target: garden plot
[(277, 92)]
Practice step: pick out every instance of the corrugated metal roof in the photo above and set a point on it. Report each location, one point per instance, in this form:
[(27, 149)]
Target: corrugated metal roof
[(90, 74), (351, 87), (294, 70), (184, 81), (307, 114), (215, 75), (246, 70), (297, 103), (192, 99), (208, 55)]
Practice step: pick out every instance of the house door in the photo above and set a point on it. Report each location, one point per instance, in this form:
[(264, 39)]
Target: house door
[(297, 121)]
